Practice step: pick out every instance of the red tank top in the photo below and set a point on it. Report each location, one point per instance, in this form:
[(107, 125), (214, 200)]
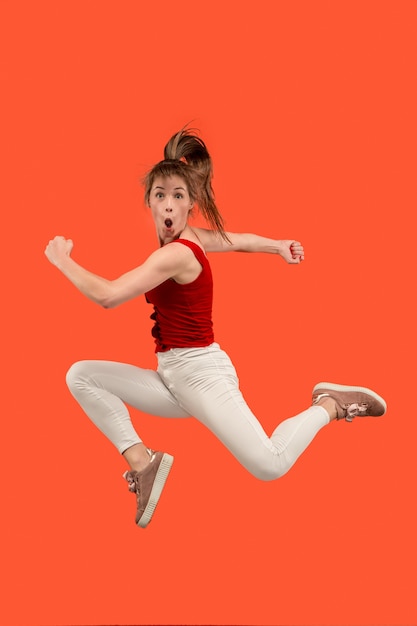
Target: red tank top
[(182, 313)]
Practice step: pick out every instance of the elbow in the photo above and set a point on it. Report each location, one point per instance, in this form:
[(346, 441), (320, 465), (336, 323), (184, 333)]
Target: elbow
[(113, 298), (108, 302), (107, 299), (115, 294), (109, 306)]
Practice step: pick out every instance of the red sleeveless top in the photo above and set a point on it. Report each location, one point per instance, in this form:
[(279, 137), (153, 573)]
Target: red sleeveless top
[(183, 313)]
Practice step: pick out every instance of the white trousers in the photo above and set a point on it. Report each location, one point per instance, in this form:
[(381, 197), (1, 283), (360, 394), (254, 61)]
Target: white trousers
[(199, 382)]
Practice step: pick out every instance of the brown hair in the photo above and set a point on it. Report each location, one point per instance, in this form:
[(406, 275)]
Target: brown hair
[(186, 155)]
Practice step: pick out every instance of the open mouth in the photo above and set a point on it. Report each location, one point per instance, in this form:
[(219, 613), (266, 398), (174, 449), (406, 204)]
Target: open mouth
[(168, 223)]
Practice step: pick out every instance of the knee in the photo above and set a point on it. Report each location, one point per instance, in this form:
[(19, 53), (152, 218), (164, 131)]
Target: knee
[(268, 467), (76, 375), (267, 474)]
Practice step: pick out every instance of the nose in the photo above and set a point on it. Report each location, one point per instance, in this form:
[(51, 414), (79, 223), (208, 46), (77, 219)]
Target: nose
[(168, 209)]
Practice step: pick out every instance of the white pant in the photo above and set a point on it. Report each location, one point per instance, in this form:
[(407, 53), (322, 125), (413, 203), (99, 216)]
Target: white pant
[(191, 381)]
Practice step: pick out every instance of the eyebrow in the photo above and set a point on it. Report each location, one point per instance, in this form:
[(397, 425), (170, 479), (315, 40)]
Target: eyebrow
[(175, 188)]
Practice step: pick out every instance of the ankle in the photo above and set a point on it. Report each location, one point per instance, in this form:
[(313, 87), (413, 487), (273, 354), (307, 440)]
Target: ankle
[(138, 457), (329, 405)]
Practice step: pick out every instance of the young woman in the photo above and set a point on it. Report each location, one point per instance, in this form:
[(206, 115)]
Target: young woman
[(194, 375)]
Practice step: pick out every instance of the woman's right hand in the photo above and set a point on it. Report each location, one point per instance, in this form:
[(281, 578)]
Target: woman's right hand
[(58, 248)]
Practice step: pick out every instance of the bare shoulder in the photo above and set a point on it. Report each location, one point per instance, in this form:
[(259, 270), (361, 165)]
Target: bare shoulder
[(206, 237), (173, 255), (213, 241), (184, 265)]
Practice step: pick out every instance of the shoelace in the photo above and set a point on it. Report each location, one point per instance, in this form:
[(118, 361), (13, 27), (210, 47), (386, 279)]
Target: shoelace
[(129, 476), (130, 481), (354, 410)]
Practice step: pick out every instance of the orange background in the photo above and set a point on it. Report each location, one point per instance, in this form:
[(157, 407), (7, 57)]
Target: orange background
[(309, 111)]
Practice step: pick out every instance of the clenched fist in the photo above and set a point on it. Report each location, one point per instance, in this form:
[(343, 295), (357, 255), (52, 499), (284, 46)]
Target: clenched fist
[(291, 251), (58, 248)]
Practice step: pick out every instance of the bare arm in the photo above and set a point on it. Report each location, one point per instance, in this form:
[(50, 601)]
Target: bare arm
[(162, 264), (289, 249)]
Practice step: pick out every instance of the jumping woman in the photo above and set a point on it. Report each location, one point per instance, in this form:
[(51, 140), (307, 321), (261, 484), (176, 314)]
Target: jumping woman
[(194, 376)]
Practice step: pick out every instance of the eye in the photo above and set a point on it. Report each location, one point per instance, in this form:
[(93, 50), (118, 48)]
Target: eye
[(159, 194), (179, 196)]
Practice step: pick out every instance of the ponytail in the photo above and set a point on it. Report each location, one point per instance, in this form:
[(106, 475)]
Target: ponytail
[(186, 155)]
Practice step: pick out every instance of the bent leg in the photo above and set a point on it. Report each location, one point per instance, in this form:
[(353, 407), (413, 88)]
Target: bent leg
[(205, 384), (103, 387)]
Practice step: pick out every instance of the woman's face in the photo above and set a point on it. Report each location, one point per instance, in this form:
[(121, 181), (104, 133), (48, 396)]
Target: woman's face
[(170, 204)]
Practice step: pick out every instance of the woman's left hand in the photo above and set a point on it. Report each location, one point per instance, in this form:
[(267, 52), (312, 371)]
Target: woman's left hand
[(292, 251)]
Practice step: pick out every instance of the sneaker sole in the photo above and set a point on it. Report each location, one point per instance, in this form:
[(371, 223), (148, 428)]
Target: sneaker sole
[(158, 485), (343, 388)]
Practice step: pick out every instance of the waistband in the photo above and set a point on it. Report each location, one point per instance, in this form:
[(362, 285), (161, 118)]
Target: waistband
[(213, 347)]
